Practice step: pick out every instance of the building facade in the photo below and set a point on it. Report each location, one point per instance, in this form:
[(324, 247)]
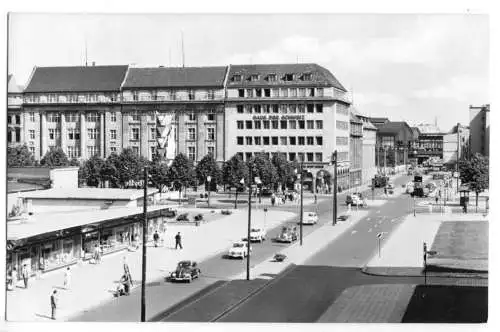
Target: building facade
[(456, 143), (480, 129), (356, 152), (299, 111), (15, 122), (394, 140), (369, 168)]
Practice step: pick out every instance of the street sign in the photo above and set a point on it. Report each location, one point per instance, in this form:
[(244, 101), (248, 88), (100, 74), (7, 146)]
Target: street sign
[(379, 235)]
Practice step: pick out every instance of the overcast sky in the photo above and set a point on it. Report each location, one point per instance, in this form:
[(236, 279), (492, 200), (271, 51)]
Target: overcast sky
[(405, 67)]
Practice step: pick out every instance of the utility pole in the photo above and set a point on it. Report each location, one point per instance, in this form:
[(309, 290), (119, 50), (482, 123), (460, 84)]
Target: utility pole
[(385, 160), (334, 160), (458, 152), (144, 240), (301, 199), (249, 220)]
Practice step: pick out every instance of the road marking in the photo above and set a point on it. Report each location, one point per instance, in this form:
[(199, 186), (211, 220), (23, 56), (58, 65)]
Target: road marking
[(369, 231), (353, 232), (378, 211)]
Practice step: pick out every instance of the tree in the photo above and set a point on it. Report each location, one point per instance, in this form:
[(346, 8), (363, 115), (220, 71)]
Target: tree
[(55, 157), (110, 172), (129, 166), (285, 171), (19, 156), (91, 171), (475, 172), (233, 171), (181, 172), (208, 167), (263, 168), (159, 173)]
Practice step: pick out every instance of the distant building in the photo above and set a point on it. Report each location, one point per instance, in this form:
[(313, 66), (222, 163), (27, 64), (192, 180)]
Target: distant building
[(456, 142), (480, 129), (356, 151), (14, 112), (429, 144), (369, 167)]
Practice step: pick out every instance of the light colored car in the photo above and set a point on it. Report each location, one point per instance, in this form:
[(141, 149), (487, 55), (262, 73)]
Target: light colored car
[(354, 199), (390, 185), (257, 235), (288, 234), (309, 218), (239, 250)]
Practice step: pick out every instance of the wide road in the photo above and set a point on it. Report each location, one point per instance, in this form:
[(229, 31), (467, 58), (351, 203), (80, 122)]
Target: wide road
[(162, 294), (306, 292)]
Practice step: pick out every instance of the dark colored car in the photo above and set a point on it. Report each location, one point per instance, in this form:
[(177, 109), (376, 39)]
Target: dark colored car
[(288, 234), (170, 213), (183, 217), (186, 271), (343, 217)]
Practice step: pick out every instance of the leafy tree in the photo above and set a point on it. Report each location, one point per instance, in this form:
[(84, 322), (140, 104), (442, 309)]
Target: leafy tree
[(475, 172), (181, 173), (74, 162), (233, 171), (285, 171), (55, 157), (130, 167), (110, 171), (159, 173), (263, 168), (19, 156), (91, 171), (208, 167)]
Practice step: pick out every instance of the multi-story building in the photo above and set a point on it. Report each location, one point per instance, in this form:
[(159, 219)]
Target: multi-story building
[(393, 141), (187, 102), (73, 108), (429, 144), (480, 129), (456, 142), (369, 168), (297, 110), (356, 151), (15, 123)]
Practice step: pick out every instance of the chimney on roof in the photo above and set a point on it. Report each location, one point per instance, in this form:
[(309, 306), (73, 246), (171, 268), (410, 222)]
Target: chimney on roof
[(93, 63)]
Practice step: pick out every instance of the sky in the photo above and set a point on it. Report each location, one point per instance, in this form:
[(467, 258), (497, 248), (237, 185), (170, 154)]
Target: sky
[(407, 67)]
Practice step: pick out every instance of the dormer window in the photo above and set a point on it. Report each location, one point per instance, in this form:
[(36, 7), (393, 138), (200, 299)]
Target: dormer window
[(254, 77), (237, 78), (288, 77), (271, 77), (191, 95), (307, 77)]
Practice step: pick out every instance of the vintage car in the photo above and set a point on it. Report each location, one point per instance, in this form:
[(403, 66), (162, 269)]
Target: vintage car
[(239, 250), (343, 217), (354, 199), (288, 234), (257, 235), (186, 271), (309, 218)]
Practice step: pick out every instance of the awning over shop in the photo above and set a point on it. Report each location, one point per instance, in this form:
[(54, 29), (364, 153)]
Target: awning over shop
[(52, 222)]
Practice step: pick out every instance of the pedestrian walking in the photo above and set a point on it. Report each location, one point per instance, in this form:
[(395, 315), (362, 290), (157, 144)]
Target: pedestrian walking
[(67, 278), (156, 238), (178, 239), (385, 191), (437, 199), (25, 275), (273, 200), (126, 270), (53, 304), (125, 280), (315, 199), (13, 278)]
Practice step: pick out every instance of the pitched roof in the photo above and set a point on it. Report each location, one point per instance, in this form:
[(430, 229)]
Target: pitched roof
[(77, 79), (376, 121), (415, 131), (164, 77), (393, 127), (354, 118), (12, 86), (320, 75)]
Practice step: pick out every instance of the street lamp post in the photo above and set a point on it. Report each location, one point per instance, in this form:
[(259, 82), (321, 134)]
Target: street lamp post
[(144, 238), (334, 161), (249, 220), (458, 152), (301, 177), (209, 179), (427, 252), (414, 206)]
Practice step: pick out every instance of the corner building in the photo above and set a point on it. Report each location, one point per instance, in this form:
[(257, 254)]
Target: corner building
[(300, 111)]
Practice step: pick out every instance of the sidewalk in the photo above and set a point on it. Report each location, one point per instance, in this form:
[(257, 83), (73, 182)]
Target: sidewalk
[(94, 284), (313, 243), (402, 252)]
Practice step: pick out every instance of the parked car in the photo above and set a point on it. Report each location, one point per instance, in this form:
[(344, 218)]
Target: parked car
[(380, 181), (343, 217), (170, 213), (288, 234), (354, 199), (309, 218), (185, 271), (198, 217), (239, 250), (183, 217), (226, 212), (257, 235)]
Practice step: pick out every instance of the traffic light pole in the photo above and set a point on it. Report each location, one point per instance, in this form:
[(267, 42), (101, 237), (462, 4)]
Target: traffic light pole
[(249, 220)]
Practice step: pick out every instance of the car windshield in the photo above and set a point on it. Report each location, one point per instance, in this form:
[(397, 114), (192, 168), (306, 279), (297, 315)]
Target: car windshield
[(183, 265), (238, 245)]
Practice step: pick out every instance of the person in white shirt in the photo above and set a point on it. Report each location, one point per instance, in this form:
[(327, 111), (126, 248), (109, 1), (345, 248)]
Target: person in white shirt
[(67, 278)]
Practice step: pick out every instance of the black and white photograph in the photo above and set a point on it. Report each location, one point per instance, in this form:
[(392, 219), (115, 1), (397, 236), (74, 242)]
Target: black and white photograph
[(247, 168)]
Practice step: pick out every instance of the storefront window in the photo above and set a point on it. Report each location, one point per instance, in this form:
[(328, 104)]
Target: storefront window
[(51, 254), (90, 240)]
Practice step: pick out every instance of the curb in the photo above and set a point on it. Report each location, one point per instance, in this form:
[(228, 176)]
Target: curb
[(410, 272)]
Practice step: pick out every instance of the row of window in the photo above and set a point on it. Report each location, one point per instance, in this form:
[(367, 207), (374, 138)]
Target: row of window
[(273, 77), (342, 125), (191, 134), (291, 156), (282, 140), (14, 119), (171, 95), (341, 140), (72, 98), (280, 108), (279, 124), (54, 117), (280, 92)]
